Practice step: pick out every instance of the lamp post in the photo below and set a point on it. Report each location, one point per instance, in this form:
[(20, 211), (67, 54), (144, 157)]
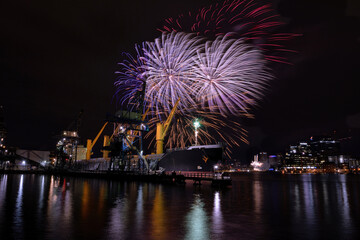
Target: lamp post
[(196, 125)]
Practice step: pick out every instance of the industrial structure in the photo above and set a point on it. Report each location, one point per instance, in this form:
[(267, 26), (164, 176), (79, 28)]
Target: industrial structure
[(126, 143), (67, 146)]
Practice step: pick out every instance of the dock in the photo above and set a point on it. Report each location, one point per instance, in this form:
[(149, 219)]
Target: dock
[(216, 179)]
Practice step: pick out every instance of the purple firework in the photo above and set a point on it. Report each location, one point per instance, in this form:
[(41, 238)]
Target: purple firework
[(229, 76), (132, 79), (168, 71)]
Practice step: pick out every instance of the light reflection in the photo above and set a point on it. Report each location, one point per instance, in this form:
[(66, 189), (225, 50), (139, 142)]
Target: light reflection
[(59, 209), (67, 204), (197, 221), (150, 211), (18, 216), (139, 209), (308, 198), (310, 210), (118, 220), (343, 200), (102, 196), (52, 200), (41, 195), (297, 204), (325, 202), (217, 217), (158, 215), (51, 197), (3, 184), (258, 198), (85, 200)]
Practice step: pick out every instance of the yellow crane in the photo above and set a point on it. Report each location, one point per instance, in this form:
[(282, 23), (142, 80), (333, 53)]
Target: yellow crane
[(162, 128), (106, 144), (90, 144)]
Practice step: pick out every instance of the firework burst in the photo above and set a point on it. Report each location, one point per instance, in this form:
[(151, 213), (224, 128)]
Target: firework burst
[(131, 81), (229, 76), (214, 80), (247, 19), (168, 70)]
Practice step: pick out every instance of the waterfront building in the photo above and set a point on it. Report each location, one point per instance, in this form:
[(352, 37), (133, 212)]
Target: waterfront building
[(300, 155), (324, 147), (275, 161), (318, 153)]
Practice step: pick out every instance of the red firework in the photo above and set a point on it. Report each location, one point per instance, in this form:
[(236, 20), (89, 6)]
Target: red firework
[(254, 22)]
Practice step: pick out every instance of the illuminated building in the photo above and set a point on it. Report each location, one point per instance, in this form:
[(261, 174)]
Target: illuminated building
[(317, 152), (300, 155), (324, 147)]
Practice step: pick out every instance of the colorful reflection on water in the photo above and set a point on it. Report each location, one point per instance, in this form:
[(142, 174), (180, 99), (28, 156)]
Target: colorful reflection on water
[(257, 206)]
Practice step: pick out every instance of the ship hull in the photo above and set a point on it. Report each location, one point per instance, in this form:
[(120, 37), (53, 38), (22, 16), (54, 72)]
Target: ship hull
[(199, 158)]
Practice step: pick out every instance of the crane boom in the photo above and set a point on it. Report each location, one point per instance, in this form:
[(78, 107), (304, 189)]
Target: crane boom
[(161, 130), (98, 135), (90, 144), (168, 120)]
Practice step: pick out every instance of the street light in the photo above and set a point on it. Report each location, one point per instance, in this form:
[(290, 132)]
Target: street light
[(196, 125)]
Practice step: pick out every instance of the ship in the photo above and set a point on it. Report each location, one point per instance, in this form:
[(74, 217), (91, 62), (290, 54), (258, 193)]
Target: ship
[(203, 158)]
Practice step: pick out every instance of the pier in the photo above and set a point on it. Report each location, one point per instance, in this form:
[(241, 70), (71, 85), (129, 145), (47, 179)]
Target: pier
[(216, 179)]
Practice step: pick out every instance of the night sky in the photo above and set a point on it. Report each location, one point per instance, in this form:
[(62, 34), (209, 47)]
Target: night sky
[(58, 57)]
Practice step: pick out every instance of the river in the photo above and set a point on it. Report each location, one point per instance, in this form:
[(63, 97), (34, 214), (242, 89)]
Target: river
[(257, 206)]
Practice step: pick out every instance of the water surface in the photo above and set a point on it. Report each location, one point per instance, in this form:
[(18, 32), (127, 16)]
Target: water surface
[(257, 206)]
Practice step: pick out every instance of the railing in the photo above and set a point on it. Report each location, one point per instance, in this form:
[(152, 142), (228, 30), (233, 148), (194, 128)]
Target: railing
[(199, 175)]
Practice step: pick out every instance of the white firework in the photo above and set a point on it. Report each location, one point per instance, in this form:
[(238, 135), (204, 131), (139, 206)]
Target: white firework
[(229, 76), (168, 67)]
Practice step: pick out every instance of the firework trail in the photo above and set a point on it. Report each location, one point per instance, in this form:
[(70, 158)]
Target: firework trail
[(229, 76), (214, 128), (224, 75), (168, 70), (132, 79), (247, 19), (214, 80)]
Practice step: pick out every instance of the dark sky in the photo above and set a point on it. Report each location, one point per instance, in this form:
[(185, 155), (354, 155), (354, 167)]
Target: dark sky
[(58, 57)]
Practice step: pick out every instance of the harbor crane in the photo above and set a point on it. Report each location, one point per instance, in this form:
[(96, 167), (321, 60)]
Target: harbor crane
[(162, 128), (90, 144)]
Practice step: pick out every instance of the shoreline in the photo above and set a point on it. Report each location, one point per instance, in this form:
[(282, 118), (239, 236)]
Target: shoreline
[(175, 179)]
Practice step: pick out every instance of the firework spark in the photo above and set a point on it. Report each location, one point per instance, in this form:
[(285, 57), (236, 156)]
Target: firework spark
[(213, 79), (168, 70), (225, 75), (214, 128), (229, 76), (247, 19), (132, 79)]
